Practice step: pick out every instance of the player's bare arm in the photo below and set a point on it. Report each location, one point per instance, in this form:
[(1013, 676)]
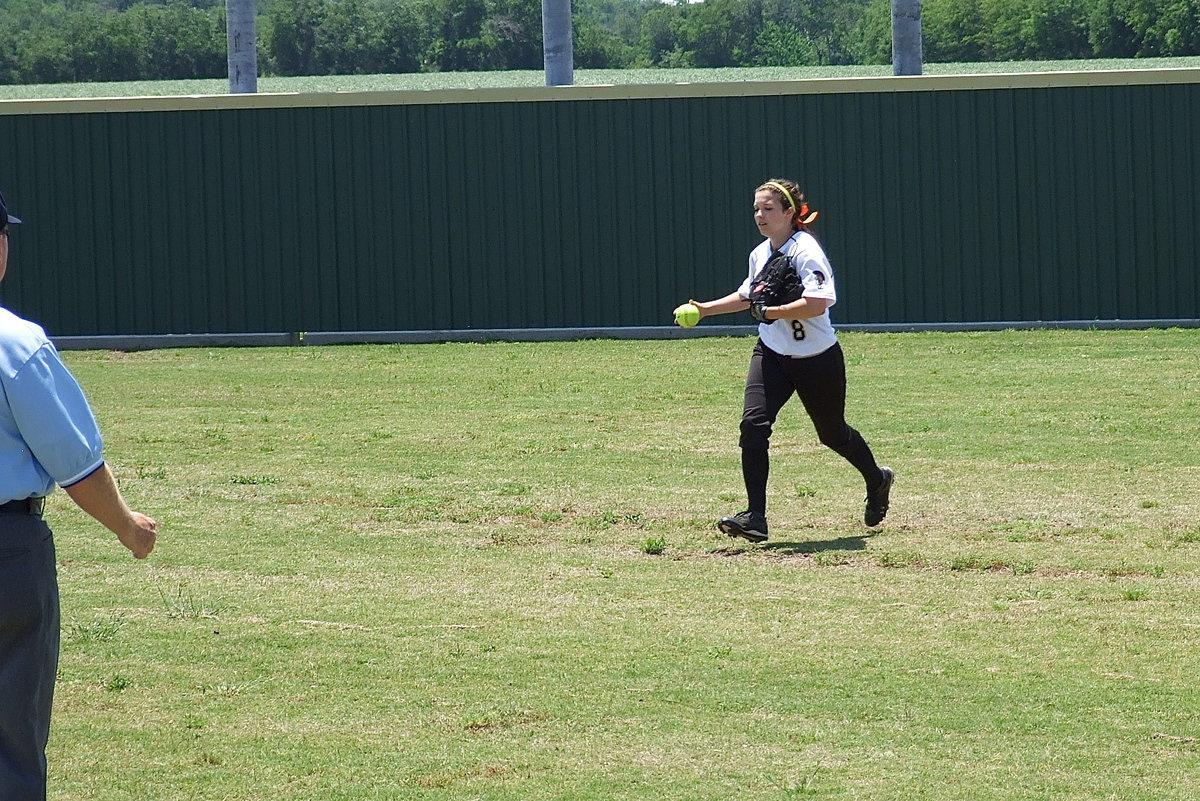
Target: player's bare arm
[(802, 309), (733, 302)]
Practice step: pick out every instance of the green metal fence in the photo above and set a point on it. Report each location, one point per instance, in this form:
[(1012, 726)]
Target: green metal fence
[(1041, 197)]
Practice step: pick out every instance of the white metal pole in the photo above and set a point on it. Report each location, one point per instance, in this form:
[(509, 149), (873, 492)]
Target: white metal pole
[(557, 50), (906, 37), (243, 46)]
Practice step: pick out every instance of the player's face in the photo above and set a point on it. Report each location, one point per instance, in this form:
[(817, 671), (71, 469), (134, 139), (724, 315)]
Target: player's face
[(3, 252), (772, 216)]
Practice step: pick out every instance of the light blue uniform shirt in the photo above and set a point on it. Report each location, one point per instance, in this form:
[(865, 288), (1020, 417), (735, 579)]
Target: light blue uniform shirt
[(48, 434)]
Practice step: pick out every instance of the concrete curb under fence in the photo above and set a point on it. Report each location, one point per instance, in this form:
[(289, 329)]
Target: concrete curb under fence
[(296, 339)]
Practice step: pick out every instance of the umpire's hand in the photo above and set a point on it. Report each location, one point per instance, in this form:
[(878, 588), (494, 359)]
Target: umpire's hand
[(99, 496), (141, 535)]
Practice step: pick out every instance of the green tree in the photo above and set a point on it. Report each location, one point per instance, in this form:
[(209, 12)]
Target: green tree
[(717, 33), (103, 46), (43, 41), (1057, 29), (869, 40), (342, 39), (661, 39), (43, 55), (782, 45), (179, 40), (289, 35), (458, 43), (1036, 29), (954, 30), (1108, 33), (513, 31), (1164, 27), (10, 66), (622, 18), (401, 37), (596, 47), (830, 25)]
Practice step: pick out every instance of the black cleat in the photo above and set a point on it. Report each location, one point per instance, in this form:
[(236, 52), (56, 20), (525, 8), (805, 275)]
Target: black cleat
[(748, 525), (877, 499)]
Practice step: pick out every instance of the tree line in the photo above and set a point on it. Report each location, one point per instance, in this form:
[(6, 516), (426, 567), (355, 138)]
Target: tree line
[(63, 41)]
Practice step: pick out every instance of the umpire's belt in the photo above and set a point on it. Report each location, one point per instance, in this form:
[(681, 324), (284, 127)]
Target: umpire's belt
[(25, 506)]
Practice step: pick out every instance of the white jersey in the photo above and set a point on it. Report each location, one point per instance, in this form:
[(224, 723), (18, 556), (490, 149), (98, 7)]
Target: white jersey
[(798, 337)]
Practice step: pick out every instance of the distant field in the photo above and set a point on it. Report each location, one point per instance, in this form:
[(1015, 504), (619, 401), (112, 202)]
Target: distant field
[(481, 80)]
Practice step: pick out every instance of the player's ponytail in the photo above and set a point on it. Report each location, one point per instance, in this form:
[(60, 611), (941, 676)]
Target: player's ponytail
[(793, 198)]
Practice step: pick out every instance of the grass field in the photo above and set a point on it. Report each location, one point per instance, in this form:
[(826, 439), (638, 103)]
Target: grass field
[(520, 78), (491, 572)]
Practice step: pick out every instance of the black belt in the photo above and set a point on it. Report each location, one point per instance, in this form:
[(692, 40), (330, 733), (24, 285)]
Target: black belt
[(25, 506)]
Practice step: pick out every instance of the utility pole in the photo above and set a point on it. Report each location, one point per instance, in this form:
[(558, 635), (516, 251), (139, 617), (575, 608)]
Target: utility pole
[(906, 37), (557, 51), (243, 46)]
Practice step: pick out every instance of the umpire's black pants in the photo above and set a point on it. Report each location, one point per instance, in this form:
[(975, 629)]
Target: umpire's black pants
[(29, 626)]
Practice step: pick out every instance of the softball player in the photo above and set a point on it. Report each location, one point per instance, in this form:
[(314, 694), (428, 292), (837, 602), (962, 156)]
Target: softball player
[(797, 352)]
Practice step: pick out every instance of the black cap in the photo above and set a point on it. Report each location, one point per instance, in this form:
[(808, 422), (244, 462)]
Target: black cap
[(4, 211)]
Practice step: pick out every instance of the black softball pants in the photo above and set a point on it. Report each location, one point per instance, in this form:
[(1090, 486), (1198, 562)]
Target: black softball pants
[(29, 635), (820, 382)]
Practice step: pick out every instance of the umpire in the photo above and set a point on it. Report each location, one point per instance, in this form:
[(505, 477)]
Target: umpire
[(48, 437)]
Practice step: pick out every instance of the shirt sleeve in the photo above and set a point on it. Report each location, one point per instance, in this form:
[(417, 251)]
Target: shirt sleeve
[(815, 274), (54, 418)]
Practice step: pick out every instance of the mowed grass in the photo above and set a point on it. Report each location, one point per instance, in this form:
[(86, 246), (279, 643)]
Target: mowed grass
[(491, 572)]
